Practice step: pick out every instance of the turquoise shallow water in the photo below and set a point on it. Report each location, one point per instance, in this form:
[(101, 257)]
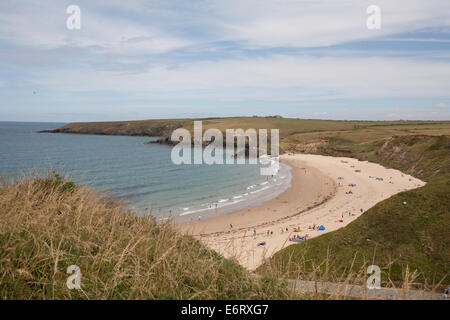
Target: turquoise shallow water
[(140, 173)]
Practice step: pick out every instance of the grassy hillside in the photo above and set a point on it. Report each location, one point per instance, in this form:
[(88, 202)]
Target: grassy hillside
[(293, 132), (409, 229), (426, 157), (48, 224), (394, 234)]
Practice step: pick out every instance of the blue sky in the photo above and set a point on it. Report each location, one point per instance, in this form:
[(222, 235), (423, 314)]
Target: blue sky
[(140, 59)]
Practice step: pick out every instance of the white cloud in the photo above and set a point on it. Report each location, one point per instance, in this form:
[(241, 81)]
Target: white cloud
[(273, 78), (256, 23), (43, 26), (269, 23)]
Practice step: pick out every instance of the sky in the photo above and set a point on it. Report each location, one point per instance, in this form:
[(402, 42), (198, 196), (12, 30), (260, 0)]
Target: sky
[(156, 59)]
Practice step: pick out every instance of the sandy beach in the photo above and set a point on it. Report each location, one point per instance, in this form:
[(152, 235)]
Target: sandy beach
[(324, 191)]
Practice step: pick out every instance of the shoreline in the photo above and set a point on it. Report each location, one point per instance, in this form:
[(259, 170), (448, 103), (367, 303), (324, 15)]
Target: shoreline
[(274, 209), (255, 195), (324, 190)]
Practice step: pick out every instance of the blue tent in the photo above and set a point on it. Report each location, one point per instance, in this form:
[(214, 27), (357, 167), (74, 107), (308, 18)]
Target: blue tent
[(321, 228)]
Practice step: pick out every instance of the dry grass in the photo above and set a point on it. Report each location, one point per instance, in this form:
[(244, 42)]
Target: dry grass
[(48, 224), (327, 279)]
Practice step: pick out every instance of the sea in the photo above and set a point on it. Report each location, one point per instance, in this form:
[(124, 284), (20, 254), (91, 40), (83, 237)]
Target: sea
[(141, 174)]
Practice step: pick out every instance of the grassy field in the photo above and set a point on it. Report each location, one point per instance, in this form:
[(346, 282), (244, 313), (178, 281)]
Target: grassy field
[(292, 131)]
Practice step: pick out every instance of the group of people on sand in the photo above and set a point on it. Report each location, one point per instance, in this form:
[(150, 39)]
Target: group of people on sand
[(297, 237), (270, 232)]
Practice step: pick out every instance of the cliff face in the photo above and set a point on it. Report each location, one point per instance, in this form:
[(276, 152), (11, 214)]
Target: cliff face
[(162, 129), (420, 155), (310, 146)]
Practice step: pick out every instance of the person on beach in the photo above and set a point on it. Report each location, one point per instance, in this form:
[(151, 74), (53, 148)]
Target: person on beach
[(446, 292), (254, 232)]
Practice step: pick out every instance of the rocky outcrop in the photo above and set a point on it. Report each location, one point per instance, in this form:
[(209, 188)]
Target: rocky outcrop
[(310, 146), (156, 128), (168, 141)]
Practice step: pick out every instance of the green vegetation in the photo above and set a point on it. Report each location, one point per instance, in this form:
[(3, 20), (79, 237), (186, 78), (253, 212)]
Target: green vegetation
[(48, 224), (409, 231), (293, 132)]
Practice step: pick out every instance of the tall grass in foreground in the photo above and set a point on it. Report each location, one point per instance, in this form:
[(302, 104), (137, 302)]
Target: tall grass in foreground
[(48, 224), (333, 279)]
